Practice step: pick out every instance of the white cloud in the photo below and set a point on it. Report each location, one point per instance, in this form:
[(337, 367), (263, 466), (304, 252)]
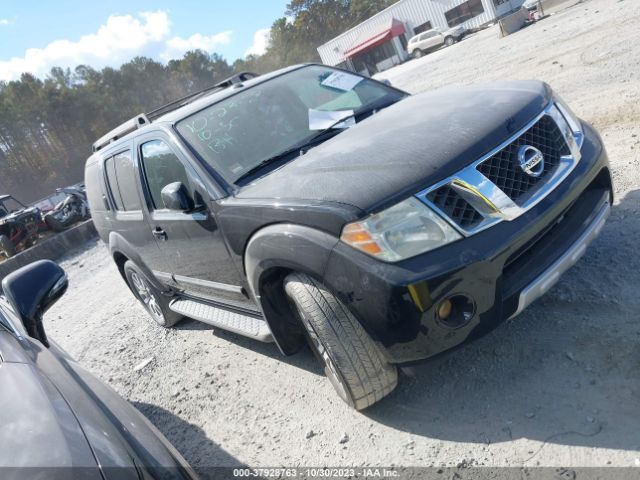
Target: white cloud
[(121, 38), (4, 21), (260, 42), (177, 46)]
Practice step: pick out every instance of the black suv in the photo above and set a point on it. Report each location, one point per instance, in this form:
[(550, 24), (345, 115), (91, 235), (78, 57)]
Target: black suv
[(315, 205)]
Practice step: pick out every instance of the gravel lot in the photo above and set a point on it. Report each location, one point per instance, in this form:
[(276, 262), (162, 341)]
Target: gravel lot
[(558, 386)]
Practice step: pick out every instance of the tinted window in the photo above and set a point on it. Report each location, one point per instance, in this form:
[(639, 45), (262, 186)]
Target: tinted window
[(126, 181), (161, 167), (422, 28), (122, 181), (112, 180), (430, 34), (464, 12)]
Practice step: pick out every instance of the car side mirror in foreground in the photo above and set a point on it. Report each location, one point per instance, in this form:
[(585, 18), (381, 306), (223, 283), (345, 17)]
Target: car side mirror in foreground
[(32, 290), (176, 197)]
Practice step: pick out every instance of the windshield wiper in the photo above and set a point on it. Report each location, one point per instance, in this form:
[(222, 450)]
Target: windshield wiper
[(300, 148)]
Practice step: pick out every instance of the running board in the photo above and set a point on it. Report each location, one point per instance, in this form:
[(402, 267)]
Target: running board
[(246, 325)]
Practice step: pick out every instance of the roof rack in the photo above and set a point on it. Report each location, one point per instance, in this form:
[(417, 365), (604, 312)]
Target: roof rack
[(169, 107), (145, 118), (121, 130)]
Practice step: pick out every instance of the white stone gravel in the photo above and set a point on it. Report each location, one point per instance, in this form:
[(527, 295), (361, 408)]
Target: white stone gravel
[(558, 386)]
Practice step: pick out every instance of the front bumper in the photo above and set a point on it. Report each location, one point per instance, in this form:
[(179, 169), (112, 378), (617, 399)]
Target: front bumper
[(502, 269)]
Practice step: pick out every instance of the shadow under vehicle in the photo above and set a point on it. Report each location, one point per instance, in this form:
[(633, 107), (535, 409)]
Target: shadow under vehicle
[(58, 421)]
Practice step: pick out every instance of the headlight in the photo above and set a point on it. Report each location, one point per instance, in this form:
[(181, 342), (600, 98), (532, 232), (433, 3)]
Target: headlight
[(572, 120), (402, 231)]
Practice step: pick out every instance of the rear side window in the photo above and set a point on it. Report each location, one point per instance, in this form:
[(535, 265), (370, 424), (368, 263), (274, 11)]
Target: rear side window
[(93, 179), (127, 181), (110, 170), (161, 167), (122, 182)]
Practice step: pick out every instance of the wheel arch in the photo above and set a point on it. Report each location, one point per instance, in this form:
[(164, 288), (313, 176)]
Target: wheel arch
[(121, 251), (270, 255)]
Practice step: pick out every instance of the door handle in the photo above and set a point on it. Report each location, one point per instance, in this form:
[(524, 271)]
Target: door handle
[(160, 234)]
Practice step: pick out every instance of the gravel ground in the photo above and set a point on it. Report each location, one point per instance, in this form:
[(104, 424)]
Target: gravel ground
[(558, 386)]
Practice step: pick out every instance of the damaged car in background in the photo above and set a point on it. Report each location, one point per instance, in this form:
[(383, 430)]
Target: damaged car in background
[(316, 206), (19, 226)]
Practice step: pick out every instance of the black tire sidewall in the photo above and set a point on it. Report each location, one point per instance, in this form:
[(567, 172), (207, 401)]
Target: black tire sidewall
[(330, 367)]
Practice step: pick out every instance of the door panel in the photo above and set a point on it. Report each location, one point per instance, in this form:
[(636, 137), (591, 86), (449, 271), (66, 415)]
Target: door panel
[(194, 250), (122, 195)]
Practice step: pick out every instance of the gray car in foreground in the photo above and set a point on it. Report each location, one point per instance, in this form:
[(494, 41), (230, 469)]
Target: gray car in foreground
[(56, 419)]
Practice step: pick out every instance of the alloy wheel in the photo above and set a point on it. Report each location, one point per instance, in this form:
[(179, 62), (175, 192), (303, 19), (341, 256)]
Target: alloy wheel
[(147, 296)]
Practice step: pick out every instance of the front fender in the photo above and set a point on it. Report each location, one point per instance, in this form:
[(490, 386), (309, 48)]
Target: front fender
[(281, 248)]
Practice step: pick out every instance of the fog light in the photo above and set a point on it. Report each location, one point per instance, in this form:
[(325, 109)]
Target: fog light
[(444, 309), (456, 311)]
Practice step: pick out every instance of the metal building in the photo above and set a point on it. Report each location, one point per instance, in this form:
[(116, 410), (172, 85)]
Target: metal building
[(380, 42)]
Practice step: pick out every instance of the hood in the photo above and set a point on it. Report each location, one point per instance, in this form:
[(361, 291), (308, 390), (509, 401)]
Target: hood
[(407, 146), (38, 427)]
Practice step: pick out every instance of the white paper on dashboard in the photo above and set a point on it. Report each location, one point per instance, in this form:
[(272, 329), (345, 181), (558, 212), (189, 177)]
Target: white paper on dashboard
[(322, 119), (341, 81)]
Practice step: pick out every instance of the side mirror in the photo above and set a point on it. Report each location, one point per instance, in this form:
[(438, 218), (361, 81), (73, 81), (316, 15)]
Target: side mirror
[(176, 197), (386, 82), (32, 290)]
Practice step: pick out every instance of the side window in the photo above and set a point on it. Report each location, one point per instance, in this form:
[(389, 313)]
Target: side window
[(161, 167), (127, 181), (122, 181), (112, 180)]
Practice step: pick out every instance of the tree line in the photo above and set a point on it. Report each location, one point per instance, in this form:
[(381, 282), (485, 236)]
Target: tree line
[(47, 125)]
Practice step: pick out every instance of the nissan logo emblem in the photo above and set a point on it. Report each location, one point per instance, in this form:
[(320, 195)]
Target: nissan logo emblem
[(531, 160)]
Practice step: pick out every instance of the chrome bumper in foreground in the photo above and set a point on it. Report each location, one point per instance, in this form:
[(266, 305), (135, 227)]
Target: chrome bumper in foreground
[(550, 276)]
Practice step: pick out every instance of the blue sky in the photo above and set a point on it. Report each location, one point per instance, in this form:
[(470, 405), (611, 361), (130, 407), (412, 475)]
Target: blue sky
[(34, 36)]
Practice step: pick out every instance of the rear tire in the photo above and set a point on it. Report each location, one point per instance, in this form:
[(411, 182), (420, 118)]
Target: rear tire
[(449, 41), (417, 53), (150, 297), (352, 361), (7, 246)]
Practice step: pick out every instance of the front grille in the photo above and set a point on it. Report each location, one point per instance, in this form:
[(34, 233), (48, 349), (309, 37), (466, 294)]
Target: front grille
[(495, 188), (504, 170), (455, 207)]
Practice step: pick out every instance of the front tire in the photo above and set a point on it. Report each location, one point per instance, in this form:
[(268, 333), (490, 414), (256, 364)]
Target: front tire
[(7, 246), (150, 297), (449, 41), (352, 361)]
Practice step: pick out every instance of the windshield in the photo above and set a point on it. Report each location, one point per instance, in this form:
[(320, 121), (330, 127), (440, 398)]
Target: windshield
[(10, 205), (237, 134)]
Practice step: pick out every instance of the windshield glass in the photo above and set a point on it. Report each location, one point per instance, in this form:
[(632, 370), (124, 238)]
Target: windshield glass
[(9, 205), (240, 132)]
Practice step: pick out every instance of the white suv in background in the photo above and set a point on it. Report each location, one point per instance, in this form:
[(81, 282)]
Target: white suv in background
[(432, 39)]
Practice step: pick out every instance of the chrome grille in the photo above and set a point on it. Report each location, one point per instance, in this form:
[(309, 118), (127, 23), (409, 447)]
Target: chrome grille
[(496, 188), (503, 168)]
